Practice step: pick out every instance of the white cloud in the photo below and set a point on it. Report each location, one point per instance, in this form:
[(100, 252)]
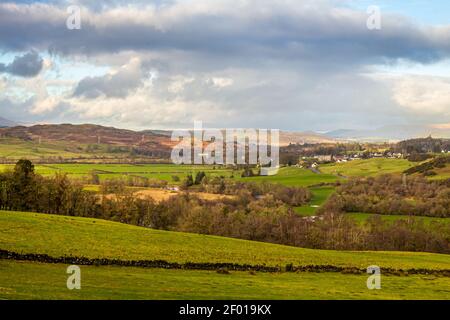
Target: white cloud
[(221, 82), (178, 83), (423, 94), (45, 105)]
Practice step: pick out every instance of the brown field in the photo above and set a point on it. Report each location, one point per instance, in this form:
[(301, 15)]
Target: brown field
[(162, 194)]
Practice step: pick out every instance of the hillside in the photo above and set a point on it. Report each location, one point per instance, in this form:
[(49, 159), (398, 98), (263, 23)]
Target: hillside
[(88, 141), (87, 134), (81, 141), (369, 167), (390, 132), (287, 137), (63, 236)]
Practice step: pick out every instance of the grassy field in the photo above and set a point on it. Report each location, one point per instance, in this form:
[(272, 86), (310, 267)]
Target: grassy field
[(289, 176), (320, 195), (60, 235), (27, 280), (362, 217), (441, 173), (15, 149), (369, 167), (111, 171), (294, 176)]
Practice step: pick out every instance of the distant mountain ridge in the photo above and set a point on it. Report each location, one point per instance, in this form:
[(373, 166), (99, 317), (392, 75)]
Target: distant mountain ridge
[(161, 139), (391, 132), (90, 133), (6, 123), (143, 143)]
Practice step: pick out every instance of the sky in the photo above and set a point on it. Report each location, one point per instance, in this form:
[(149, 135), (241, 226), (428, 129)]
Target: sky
[(294, 65)]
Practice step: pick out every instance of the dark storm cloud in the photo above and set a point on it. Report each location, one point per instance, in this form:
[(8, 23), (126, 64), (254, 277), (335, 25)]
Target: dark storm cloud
[(290, 64), (259, 31), (28, 65)]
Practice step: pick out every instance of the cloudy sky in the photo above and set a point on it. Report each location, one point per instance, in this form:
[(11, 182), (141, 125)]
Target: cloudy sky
[(287, 64)]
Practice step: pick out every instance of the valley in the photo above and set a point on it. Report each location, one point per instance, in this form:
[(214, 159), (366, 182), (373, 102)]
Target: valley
[(162, 232)]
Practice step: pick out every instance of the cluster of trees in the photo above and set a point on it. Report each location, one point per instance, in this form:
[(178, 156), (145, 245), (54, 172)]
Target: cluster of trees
[(422, 145), (112, 185), (256, 212), (428, 167), (293, 196), (393, 194), (23, 190), (190, 181)]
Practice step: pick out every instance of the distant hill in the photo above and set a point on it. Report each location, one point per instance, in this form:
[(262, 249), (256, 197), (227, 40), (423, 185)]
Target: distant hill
[(391, 132), (89, 133), (88, 141), (423, 145), (144, 143), (6, 123), (310, 137)]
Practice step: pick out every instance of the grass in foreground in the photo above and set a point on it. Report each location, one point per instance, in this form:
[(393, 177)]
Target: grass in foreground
[(28, 280), (91, 238)]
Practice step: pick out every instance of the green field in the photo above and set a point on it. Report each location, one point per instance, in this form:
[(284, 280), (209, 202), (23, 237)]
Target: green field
[(114, 171), (441, 173), (15, 149), (91, 238), (362, 217), (319, 196), (27, 280), (294, 176), (60, 235), (369, 167)]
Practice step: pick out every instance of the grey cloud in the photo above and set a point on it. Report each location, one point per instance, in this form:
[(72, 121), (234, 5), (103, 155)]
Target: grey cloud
[(294, 31), (28, 65), (116, 85), (293, 66)]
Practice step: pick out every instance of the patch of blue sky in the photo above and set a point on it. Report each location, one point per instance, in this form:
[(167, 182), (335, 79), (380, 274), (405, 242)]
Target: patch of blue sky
[(17, 94), (74, 70), (432, 12), (403, 67)]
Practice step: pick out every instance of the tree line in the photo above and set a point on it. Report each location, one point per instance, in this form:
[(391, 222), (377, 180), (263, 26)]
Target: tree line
[(393, 195)]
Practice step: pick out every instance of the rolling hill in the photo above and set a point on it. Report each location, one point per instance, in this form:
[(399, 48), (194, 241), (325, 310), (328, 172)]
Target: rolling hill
[(87, 141), (59, 236)]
